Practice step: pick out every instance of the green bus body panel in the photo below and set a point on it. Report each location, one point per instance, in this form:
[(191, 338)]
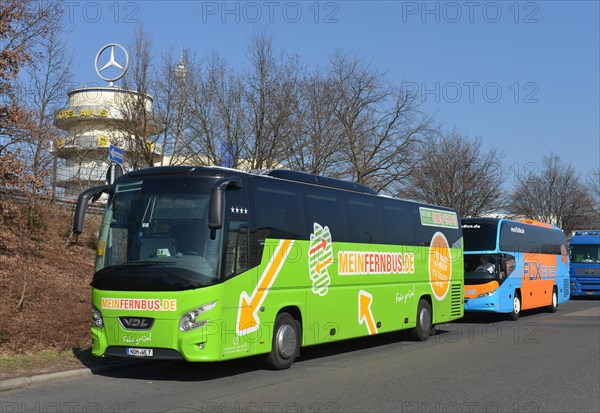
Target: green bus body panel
[(332, 306)]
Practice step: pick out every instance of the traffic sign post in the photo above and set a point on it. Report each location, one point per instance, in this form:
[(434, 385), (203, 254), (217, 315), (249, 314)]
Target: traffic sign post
[(115, 155), (114, 171)]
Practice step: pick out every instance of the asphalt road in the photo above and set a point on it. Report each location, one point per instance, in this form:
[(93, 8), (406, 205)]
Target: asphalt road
[(542, 363)]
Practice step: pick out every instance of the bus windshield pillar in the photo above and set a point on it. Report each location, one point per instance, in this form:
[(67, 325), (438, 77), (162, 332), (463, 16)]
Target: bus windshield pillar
[(217, 203)]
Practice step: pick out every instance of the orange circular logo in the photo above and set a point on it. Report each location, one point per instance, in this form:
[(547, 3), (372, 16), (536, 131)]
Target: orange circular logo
[(440, 266)]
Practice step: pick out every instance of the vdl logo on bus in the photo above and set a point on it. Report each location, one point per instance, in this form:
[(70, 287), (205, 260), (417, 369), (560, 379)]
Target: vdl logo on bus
[(136, 323)]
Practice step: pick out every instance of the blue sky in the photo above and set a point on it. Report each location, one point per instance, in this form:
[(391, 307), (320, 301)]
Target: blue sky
[(522, 76)]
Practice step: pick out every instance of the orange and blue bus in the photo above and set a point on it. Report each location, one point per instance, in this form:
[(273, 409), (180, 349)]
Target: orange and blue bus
[(209, 264), (512, 266)]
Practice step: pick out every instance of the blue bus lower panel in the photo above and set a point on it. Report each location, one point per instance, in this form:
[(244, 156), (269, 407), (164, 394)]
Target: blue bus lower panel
[(490, 304), (582, 286)]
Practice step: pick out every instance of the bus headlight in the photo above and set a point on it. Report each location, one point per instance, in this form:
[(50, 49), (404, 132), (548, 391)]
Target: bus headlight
[(189, 321), (97, 317), (488, 294)]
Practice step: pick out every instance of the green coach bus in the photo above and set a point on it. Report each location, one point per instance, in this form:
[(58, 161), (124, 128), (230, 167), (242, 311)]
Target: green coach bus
[(208, 264)]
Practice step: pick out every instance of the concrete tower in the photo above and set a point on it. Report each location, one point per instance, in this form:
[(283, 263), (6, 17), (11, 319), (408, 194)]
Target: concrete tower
[(96, 118)]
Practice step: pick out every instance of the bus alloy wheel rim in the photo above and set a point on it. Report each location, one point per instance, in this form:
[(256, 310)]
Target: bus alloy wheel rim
[(517, 305), (286, 341), (424, 319)]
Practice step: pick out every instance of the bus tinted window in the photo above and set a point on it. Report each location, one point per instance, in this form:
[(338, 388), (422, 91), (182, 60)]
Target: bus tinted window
[(399, 222), (326, 207), (279, 212), (364, 220), (518, 237)]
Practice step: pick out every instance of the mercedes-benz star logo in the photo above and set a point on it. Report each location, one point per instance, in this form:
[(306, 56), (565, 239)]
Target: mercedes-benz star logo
[(112, 62)]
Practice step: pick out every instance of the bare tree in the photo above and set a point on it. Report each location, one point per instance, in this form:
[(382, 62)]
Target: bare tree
[(222, 113), (23, 24), (270, 102), (138, 122), (315, 148), (173, 89), (229, 94), (205, 144), (556, 195), (593, 183), (48, 77), (455, 171), (380, 123)]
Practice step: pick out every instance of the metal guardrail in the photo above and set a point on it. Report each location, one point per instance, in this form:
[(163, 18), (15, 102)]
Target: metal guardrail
[(96, 208)]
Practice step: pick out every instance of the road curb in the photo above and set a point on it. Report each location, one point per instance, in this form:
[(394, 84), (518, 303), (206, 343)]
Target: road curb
[(20, 382), (12, 384)]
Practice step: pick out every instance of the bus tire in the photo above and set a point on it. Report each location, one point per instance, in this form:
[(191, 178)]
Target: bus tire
[(516, 310), (287, 336), (554, 305), (424, 321)]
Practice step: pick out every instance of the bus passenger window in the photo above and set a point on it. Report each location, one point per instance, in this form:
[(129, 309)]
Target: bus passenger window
[(236, 248), (278, 212), (510, 264)]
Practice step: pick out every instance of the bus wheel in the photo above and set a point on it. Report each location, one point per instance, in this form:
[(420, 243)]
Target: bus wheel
[(286, 342), (552, 307), (424, 323), (516, 311)]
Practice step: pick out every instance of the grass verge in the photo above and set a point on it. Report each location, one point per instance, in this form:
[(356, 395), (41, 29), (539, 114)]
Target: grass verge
[(46, 362)]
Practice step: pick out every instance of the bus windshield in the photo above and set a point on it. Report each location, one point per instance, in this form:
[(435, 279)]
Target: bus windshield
[(483, 268), (155, 236), (480, 236), (585, 254)]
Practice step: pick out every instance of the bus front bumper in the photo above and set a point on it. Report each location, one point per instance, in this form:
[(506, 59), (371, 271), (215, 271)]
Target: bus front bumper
[(585, 286), (159, 342), (484, 304)]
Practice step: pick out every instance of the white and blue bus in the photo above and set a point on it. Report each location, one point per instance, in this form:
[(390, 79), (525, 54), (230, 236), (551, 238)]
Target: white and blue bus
[(512, 266)]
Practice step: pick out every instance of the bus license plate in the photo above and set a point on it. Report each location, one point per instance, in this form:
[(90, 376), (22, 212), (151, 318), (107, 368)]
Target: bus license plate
[(140, 352)]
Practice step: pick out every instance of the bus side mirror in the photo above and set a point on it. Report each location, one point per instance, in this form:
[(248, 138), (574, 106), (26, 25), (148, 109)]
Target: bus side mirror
[(216, 207), (82, 203)]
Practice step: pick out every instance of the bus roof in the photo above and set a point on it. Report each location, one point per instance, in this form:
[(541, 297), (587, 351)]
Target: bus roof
[(585, 237), (500, 234), (286, 174), (279, 174), (497, 221)]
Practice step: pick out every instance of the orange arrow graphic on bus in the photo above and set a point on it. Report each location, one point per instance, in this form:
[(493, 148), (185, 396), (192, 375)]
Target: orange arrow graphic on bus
[(248, 320), (320, 246), (321, 265), (364, 311)]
